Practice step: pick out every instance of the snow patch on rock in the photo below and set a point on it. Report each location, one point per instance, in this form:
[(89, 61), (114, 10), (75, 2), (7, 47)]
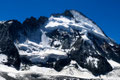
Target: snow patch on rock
[(92, 61), (3, 58)]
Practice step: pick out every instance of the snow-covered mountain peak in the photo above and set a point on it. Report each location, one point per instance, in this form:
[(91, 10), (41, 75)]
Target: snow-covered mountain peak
[(87, 22), (67, 44), (76, 21)]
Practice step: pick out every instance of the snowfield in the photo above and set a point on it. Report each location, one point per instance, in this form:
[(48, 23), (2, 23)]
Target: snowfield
[(67, 71)]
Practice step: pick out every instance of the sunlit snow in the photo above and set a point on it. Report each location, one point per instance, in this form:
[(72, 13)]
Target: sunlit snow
[(93, 61), (66, 23)]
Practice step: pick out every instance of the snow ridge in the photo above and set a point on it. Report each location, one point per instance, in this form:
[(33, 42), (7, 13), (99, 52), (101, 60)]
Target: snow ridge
[(78, 22)]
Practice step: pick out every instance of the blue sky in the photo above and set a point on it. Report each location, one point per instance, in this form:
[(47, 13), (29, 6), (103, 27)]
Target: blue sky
[(106, 13)]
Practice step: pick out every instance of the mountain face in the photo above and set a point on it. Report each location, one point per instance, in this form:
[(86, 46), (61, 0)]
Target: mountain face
[(67, 44)]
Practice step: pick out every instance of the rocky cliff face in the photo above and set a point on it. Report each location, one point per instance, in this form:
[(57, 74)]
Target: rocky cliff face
[(56, 42)]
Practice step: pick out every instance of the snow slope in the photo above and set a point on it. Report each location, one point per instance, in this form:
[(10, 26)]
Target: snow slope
[(67, 23)]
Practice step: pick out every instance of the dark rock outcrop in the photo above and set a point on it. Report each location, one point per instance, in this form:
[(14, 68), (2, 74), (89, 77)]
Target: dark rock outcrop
[(7, 45)]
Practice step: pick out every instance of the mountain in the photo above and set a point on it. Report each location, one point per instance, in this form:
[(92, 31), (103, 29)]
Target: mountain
[(64, 46)]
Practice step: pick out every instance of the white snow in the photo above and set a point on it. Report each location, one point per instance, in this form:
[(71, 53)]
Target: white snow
[(2, 22), (44, 55), (66, 23), (79, 17), (42, 51), (84, 37), (93, 61), (67, 71), (113, 63), (57, 43), (12, 75), (44, 40), (110, 43), (10, 22), (84, 34), (1, 78), (3, 58), (39, 52), (58, 22)]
